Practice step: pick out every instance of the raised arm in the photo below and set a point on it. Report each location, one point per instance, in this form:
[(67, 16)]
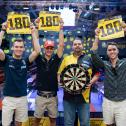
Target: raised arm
[(97, 61), (4, 27), (61, 68), (35, 43), (61, 40), (96, 41)]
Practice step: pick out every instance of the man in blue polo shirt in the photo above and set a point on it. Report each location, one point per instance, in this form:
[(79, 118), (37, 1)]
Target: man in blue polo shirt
[(15, 88)]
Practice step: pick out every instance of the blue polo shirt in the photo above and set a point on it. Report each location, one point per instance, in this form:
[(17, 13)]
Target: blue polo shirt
[(15, 76)]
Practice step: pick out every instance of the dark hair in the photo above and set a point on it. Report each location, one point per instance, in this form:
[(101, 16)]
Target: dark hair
[(112, 43), (77, 38), (19, 40)]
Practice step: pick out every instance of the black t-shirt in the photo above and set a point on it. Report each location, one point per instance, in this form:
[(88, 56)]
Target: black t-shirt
[(47, 73)]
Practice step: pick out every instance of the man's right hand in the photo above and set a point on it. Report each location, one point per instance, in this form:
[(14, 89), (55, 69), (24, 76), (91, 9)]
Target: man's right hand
[(4, 26), (95, 43), (123, 24), (61, 23), (37, 21), (97, 32)]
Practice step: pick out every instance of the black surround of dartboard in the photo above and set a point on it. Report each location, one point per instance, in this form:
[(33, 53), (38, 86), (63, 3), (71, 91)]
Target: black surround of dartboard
[(74, 78)]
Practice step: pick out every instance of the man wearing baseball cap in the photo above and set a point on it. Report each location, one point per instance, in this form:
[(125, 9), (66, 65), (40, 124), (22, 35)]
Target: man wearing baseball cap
[(47, 83)]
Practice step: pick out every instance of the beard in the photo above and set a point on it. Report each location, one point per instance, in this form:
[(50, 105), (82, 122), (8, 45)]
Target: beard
[(78, 51)]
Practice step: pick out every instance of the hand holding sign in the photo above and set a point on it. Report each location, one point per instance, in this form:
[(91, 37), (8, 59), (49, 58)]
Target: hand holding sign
[(97, 32), (4, 26), (61, 23), (33, 28), (123, 24), (37, 21)]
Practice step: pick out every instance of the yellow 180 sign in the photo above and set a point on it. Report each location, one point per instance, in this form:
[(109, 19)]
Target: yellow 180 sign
[(18, 23), (110, 28), (49, 21)]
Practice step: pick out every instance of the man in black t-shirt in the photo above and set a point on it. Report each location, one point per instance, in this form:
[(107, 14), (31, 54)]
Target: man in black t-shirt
[(47, 84)]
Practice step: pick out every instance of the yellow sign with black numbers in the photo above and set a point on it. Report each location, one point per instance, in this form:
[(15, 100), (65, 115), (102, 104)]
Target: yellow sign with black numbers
[(18, 23), (49, 21), (110, 28)]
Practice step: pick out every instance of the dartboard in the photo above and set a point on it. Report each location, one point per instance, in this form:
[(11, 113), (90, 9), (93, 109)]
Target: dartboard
[(74, 78)]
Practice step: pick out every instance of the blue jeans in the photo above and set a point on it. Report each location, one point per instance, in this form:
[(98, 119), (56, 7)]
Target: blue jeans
[(70, 109)]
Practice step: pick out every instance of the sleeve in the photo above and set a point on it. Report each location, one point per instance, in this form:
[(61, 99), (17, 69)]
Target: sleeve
[(2, 63), (38, 59), (26, 58), (96, 60), (62, 66), (96, 68), (27, 61), (58, 58)]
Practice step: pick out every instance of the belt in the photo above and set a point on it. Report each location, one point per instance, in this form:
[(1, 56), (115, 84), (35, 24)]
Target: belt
[(46, 95)]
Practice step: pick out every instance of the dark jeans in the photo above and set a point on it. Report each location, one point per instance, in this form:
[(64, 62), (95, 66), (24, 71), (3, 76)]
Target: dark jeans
[(70, 109)]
